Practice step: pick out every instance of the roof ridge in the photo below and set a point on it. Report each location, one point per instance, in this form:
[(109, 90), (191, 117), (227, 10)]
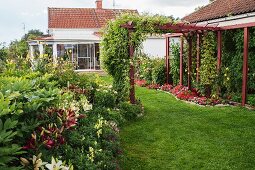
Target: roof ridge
[(92, 8)]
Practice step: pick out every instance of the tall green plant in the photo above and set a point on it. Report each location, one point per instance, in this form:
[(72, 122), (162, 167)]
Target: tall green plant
[(159, 71), (114, 46), (208, 70), (175, 63)]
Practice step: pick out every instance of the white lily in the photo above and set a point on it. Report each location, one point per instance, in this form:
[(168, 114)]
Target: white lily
[(55, 165)]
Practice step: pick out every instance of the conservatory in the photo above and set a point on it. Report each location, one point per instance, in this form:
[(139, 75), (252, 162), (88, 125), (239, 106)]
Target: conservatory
[(84, 55)]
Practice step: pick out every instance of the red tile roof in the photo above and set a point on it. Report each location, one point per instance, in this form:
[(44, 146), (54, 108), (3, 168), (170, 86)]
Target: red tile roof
[(82, 17), (220, 9)]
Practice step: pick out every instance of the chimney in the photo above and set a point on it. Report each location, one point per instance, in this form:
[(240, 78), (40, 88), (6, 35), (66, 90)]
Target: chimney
[(99, 4)]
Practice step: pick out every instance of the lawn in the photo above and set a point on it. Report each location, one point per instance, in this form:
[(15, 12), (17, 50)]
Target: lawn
[(176, 135)]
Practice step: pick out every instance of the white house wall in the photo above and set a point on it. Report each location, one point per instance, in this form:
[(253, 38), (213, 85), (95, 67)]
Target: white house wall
[(156, 47), (74, 34)]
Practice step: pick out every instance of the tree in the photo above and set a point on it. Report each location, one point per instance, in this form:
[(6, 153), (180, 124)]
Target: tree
[(32, 34), (3, 52), (19, 48)]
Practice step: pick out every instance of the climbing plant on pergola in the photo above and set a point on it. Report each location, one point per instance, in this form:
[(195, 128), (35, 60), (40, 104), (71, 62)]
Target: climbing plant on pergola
[(125, 35)]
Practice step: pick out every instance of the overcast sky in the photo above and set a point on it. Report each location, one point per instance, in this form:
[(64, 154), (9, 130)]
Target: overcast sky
[(14, 14)]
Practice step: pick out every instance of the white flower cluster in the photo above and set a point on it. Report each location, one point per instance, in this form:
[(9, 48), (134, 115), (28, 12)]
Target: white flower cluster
[(38, 164), (106, 89), (81, 105)]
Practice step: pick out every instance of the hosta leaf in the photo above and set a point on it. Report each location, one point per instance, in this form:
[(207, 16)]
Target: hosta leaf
[(9, 124), (1, 124), (5, 159), (13, 95), (10, 168)]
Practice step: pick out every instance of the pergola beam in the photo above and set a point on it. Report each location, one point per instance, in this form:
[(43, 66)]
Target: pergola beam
[(198, 57), (189, 62), (131, 71), (185, 28), (219, 51), (245, 65), (167, 59), (181, 60)]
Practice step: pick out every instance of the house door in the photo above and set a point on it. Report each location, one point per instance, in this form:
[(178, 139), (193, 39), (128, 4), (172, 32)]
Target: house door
[(86, 57)]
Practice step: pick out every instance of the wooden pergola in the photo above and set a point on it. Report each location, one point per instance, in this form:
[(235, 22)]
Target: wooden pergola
[(187, 31)]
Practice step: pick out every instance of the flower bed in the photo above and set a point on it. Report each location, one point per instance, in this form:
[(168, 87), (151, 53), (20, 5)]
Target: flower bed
[(166, 87), (182, 93), (153, 86), (61, 117), (141, 83)]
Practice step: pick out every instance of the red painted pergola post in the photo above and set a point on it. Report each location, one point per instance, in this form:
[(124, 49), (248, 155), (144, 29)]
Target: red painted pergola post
[(219, 53), (181, 60), (245, 65), (198, 57), (131, 71), (189, 62), (167, 59)]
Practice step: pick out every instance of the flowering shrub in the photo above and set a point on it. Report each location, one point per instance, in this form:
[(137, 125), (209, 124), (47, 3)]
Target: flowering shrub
[(105, 97), (60, 114), (141, 83), (182, 92), (166, 87), (153, 86)]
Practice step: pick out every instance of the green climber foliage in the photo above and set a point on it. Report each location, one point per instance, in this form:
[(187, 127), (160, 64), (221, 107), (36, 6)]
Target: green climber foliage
[(114, 46)]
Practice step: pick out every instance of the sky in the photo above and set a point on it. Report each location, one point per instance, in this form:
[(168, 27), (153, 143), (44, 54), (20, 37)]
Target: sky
[(19, 16)]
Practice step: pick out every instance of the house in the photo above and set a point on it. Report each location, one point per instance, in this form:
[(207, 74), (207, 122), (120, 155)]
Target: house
[(74, 33), (224, 13)]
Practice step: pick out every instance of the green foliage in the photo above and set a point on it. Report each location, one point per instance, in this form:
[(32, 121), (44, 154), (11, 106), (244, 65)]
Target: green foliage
[(105, 98), (18, 49), (114, 46), (208, 71), (5, 106), (159, 71), (144, 67), (32, 34), (152, 70), (48, 110), (130, 111), (251, 100), (3, 56), (8, 150), (175, 63)]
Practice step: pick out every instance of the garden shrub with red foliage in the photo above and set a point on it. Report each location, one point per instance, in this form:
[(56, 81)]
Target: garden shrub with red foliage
[(141, 83), (166, 87), (153, 86)]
